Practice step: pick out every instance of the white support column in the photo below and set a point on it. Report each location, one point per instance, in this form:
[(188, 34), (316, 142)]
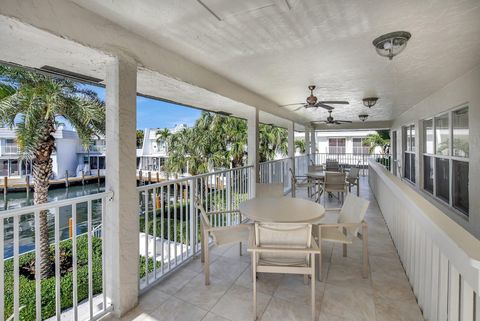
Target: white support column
[(252, 146), (313, 144), (291, 144), (121, 223), (307, 140)]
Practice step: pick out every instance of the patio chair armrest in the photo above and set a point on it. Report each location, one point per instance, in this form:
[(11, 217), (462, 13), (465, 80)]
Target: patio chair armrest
[(310, 250), (223, 228), (342, 225)]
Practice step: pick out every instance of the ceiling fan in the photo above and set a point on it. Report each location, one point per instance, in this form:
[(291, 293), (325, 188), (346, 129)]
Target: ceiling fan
[(312, 102), (331, 121)]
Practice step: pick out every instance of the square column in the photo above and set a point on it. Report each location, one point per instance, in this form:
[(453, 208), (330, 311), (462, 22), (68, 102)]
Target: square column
[(313, 145), (291, 144), (121, 219), (252, 147), (307, 140)]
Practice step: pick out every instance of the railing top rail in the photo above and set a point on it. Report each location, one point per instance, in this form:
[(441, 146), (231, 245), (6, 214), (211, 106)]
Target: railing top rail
[(275, 160), (69, 201), (188, 178)]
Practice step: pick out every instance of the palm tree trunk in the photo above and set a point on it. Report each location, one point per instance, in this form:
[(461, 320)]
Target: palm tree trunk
[(42, 170)]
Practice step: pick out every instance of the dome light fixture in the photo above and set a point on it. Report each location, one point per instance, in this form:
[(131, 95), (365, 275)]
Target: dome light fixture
[(363, 117), (369, 101), (391, 44)]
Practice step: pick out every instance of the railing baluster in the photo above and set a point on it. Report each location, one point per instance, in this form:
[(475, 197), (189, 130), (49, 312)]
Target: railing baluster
[(162, 234), (2, 269), (104, 272), (168, 227), (74, 261), (90, 257), (145, 221), (57, 263), (154, 208), (16, 278), (181, 221), (175, 218)]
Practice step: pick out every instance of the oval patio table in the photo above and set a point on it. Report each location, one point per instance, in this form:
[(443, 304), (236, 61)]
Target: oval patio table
[(282, 210)]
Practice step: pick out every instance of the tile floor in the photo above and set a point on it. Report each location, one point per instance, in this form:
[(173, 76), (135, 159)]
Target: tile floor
[(344, 295)]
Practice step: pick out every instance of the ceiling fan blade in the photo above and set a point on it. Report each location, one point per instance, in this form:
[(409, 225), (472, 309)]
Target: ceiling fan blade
[(287, 105), (344, 121), (298, 108), (327, 107), (340, 102)]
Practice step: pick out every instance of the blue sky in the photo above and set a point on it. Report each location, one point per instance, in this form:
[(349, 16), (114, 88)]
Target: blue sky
[(157, 114)]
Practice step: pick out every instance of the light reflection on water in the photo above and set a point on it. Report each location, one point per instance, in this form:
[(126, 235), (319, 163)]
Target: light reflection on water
[(26, 225)]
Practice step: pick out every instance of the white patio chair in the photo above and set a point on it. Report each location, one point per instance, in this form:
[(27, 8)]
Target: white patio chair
[(334, 183), (269, 190), (221, 235), (332, 165), (349, 222), (353, 179), (302, 182), (286, 248)]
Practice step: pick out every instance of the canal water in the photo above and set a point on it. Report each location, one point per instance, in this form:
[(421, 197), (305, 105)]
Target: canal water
[(27, 226)]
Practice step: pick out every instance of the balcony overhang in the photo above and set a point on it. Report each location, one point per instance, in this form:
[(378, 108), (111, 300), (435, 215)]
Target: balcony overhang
[(373, 125), (66, 36)]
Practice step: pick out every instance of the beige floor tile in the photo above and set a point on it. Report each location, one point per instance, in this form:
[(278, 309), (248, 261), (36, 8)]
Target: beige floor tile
[(267, 283), (227, 268), (213, 317), (279, 309), (205, 297), (352, 303), (237, 304), (324, 316), (177, 280), (176, 310), (397, 310), (292, 288), (152, 299)]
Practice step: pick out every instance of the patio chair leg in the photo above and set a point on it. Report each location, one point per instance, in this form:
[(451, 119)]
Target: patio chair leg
[(344, 250), (241, 249), (365, 250), (319, 256), (202, 245), (206, 266), (313, 288), (358, 187)]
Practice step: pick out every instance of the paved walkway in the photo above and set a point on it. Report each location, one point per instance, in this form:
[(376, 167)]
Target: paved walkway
[(343, 296)]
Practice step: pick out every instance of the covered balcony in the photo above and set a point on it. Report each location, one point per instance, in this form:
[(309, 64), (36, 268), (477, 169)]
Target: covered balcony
[(133, 252)]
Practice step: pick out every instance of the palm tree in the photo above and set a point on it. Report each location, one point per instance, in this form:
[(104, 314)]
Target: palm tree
[(378, 139), (300, 145), (140, 135), (35, 105), (162, 135)]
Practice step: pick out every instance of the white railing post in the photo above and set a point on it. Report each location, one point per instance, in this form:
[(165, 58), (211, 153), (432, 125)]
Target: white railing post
[(193, 216)]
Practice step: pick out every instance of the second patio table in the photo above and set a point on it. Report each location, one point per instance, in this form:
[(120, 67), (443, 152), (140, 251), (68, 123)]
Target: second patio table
[(282, 210)]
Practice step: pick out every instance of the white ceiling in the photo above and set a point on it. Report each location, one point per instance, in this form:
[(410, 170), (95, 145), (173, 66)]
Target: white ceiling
[(277, 48)]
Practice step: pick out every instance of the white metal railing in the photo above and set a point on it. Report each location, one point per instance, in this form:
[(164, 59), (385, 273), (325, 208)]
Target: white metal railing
[(276, 171), (440, 258), (83, 254), (169, 221)]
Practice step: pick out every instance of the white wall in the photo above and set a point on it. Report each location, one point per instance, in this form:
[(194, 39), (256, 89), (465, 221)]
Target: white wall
[(66, 157), (463, 91)]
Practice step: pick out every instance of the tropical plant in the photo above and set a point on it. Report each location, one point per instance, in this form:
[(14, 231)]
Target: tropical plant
[(35, 104), (140, 135), (162, 135), (379, 139), (300, 145), (220, 141)]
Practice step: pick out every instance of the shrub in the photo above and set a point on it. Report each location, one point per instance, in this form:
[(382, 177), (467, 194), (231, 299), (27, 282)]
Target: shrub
[(27, 285)]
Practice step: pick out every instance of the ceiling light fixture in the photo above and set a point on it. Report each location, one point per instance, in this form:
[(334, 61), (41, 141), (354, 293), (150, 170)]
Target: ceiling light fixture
[(369, 101), (363, 117), (391, 44)]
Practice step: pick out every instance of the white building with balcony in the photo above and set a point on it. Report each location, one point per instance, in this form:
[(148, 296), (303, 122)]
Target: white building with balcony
[(69, 155), (153, 153)]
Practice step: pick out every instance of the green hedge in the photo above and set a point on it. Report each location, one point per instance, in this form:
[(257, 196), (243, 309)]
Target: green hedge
[(27, 286)]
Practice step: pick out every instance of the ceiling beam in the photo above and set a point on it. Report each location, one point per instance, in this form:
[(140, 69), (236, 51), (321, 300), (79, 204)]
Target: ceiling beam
[(355, 126)]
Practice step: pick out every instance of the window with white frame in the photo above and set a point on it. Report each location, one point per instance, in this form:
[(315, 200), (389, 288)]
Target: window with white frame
[(358, 145), (336, 145), (445, 158), (409, 152)]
